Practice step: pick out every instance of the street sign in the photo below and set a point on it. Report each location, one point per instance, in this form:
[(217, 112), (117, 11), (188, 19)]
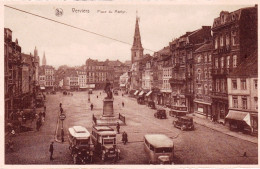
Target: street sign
[(62, 117)]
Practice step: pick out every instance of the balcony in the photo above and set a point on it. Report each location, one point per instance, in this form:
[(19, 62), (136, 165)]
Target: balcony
[(220, 71)]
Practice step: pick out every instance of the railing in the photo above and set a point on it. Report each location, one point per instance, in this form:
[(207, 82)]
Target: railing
[(94, 119), (219, 71), (219, 94), (122, 118)]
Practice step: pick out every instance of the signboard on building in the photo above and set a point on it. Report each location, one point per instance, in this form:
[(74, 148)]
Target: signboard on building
[(90, 86)]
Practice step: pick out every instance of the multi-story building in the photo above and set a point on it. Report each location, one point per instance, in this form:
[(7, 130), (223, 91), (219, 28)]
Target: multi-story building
[(124, 81), (82, 76), (97, 72), (71, 80), (182, 57), (147, 75), (13, 74), (158, 63), (166, 76), (235, 37), (202, 79), (242, 86), (46, 77)]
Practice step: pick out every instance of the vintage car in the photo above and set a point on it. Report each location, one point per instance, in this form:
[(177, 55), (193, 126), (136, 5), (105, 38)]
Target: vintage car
[(160, 114), (151, 104), (80, 145), (177, 111), (115, 92), (104, 140), (159, 148), (184, 123), (90, 91), (140, 100), (39, 100)]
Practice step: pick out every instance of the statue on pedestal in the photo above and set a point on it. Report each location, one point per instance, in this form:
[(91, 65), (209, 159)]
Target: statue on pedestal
[(108, 90)]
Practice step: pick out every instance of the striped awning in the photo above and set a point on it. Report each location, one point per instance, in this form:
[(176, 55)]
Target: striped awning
[(136, 92), (239, 115), (141, 93), (148, 94)]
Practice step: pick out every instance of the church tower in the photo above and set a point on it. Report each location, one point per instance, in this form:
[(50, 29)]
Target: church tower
[(137, 49), (44, 60)]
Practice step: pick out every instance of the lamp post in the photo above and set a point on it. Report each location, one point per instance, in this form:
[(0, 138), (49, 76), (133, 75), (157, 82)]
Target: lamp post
[(62, 118)]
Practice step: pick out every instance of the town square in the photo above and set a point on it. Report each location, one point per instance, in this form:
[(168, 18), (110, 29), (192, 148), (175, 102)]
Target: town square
[(100, 92)]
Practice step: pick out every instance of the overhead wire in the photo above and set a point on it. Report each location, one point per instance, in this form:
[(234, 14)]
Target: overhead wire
[(69, 25)]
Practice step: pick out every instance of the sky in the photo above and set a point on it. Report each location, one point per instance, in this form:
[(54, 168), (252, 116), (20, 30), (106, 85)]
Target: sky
[(159, 25)]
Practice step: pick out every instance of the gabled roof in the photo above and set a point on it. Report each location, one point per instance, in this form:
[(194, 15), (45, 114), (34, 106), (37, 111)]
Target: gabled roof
[(247, 68)]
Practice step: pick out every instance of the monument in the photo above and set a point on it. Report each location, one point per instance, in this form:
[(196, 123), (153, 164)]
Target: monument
[(108, 117)]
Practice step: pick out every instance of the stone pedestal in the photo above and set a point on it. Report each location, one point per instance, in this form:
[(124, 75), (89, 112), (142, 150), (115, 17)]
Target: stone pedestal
[(108, 110), (108, 117)]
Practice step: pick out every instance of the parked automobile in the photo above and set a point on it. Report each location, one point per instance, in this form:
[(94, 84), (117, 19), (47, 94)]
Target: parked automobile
[(115, 92), (177, 111), (90, 91), (184, 123), (80, 145), (160, 114), (159, 148), (104, 140), (151, 104), (140, 100)]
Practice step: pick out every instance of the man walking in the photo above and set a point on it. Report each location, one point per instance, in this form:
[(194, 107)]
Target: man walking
[(118, 127), (91, 106), (51, 150), (123, 104)]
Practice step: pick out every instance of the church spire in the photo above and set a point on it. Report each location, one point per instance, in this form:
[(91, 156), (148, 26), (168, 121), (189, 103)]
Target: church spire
[(137, 49), (43, 59)]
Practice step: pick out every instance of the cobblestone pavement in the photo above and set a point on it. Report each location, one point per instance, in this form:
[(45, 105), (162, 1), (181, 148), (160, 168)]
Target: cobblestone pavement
[(202, 146)]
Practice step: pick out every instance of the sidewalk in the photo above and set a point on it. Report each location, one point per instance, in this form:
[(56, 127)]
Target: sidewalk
[(217, 127), (223, 129)]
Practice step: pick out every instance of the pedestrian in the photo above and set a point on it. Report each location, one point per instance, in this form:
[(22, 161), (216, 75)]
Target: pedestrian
[(38, 125), (60, 105), (45, 108), (61, 110), (44, 114), (124, 137), (51, 150), (122, 94), (97, 96), (100, 93), (123, 104), (91, 106), (118, 127)]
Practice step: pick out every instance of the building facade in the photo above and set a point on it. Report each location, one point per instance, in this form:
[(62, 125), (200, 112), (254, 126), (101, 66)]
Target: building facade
[(235, 37), (203, 80), (243, 93)]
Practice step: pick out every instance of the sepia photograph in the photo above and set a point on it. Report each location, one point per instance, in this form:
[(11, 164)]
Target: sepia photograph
[(101, 83)]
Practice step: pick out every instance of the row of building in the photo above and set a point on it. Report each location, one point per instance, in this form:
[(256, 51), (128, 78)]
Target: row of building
[(20, 76), (212, 71)]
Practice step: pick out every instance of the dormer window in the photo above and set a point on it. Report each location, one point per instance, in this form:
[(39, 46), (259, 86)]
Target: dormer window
[(222, 19)]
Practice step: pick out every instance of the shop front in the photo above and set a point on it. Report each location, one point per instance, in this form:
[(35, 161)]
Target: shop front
[(203, 108)]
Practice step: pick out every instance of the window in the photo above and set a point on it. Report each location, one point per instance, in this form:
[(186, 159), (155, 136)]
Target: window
[(228, 61), (205, 73), (210, 87), (206, 88), (233, 38), (205, 58), (199, 72), (234, 84), (244, 102), (199, 59), (217, 85), (235, 61), (209, 58), (216, 62), (223, 87), (256, 102), (227, 40), (210, 72), (221, 40), (255, 84), (243, 84), (235, 102), (216, 43), (222, 62)]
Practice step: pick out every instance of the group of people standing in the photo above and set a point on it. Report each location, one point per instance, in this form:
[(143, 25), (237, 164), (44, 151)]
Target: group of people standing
[(40, 119)]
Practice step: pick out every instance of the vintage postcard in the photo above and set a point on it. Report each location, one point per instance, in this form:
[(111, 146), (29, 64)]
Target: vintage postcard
[(108, 84)]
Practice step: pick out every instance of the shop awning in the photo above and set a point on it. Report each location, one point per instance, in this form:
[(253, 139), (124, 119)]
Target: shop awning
[(148, 94), (141, 93), (239, 115), (136, 92), (42, 88)]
